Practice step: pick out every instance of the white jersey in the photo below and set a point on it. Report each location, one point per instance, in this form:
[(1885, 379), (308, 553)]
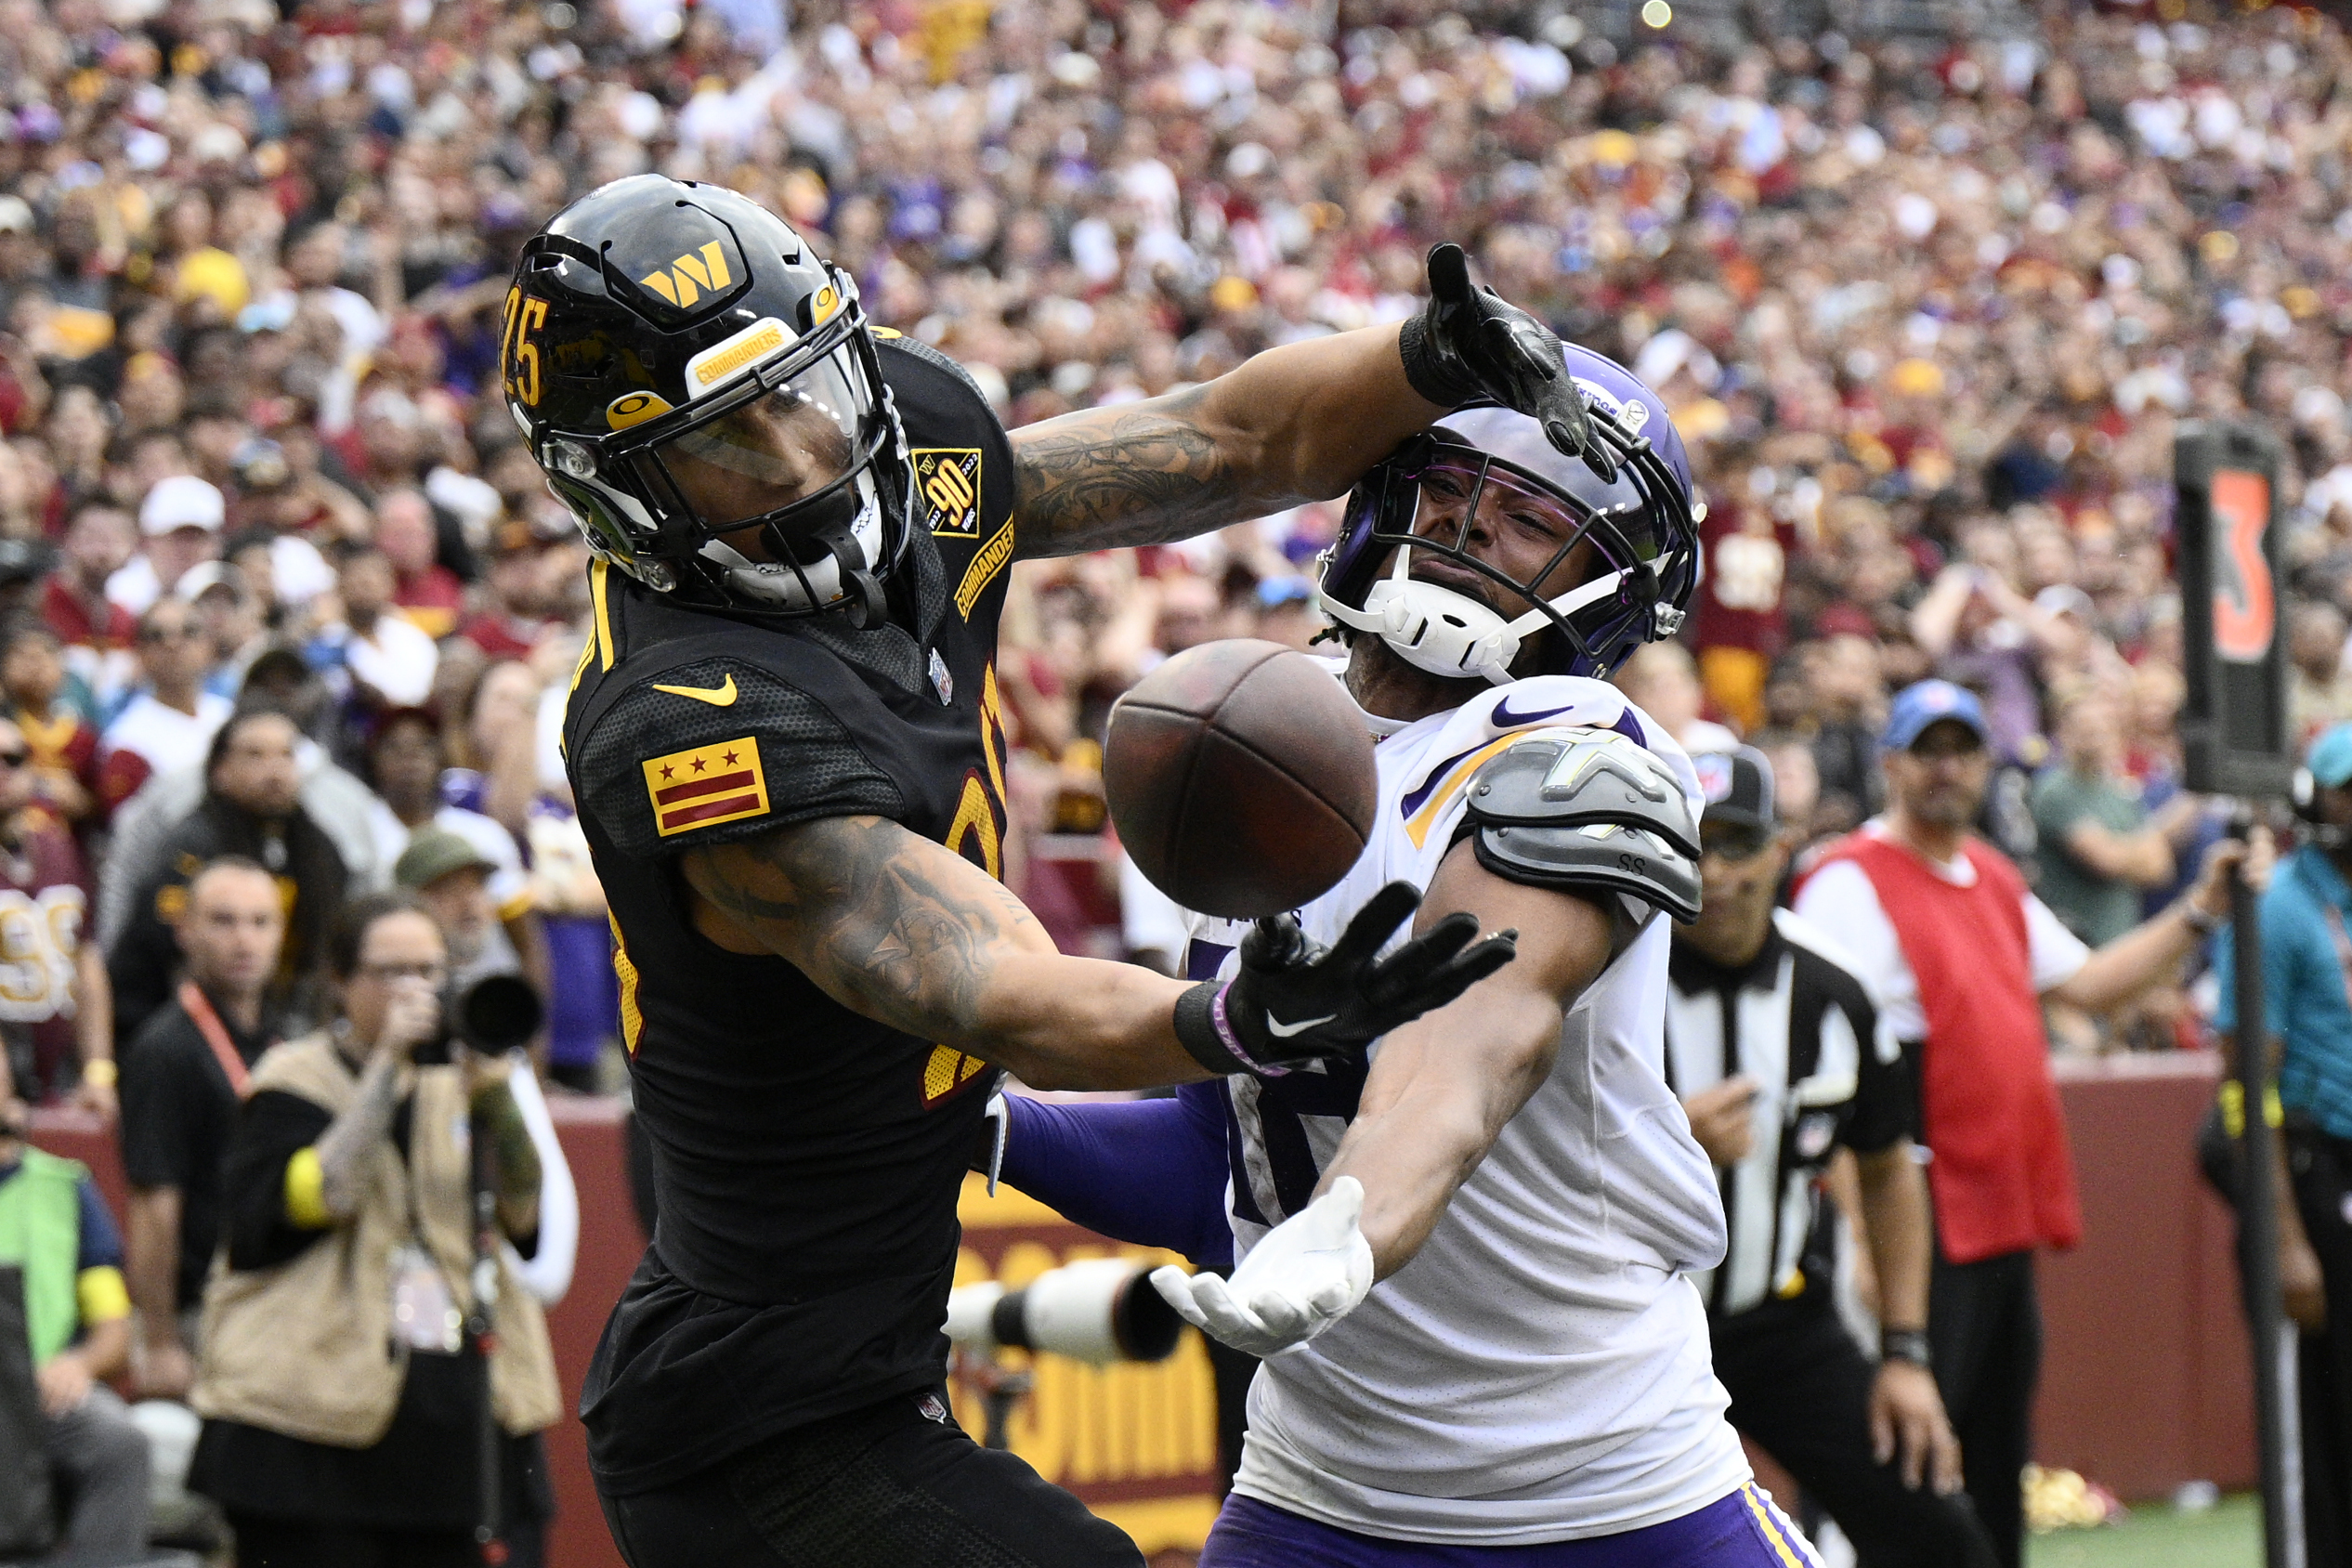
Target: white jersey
[(1541, 1370)]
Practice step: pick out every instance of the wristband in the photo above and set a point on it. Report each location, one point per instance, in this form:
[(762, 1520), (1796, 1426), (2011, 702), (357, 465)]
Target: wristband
[(1906, 1344), (1205, 1030), (102, 1071)]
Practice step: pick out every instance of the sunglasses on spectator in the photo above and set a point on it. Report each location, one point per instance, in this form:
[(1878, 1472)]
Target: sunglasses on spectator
[(1734, 842), (168, 634), (433, 974)]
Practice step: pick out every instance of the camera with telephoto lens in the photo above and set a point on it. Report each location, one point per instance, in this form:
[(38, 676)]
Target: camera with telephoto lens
[(493, 1015), (1098, 1310)]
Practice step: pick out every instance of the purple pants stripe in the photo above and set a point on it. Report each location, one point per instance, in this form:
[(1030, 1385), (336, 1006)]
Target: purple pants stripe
[(1743, 1530)]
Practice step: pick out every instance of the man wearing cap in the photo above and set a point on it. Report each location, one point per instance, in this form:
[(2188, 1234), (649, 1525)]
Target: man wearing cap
[(1960, 955), (1781, 1058), (172, 719), (180, 522), (2306, 999)]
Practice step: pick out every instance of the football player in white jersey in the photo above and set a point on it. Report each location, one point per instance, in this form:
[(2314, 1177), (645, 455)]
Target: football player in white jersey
[(1536, 1388)]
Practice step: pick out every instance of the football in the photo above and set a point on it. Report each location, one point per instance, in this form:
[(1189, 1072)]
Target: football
[(1240, 778)]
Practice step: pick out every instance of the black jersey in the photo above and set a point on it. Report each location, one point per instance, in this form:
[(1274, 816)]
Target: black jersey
[(807, 1159)]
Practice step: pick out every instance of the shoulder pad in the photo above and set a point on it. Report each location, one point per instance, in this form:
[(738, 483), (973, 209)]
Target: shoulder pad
[(1588, 808), (916, 348), (670, 765)]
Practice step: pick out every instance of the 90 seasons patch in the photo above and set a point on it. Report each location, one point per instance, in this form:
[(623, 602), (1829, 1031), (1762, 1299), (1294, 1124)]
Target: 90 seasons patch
[(706, 786), (947, 478)]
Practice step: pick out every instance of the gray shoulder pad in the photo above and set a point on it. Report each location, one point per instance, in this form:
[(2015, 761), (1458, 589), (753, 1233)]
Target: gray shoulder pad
[(1591, 810)]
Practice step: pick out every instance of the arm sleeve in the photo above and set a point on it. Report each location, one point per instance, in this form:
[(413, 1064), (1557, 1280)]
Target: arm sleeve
[(663, 772), (1885, 1105), (2056, 952), (273, 1128), (1147, 1171)]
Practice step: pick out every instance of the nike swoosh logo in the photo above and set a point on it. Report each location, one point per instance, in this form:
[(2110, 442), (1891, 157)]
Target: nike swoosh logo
[(720, 696), (1502, 716), (1283, 1031)]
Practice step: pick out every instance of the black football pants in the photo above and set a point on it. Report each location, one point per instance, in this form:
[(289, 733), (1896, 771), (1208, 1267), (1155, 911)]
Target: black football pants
[(2319, 1168), (1984, 1325), (1800, 1387), (889, 1486)]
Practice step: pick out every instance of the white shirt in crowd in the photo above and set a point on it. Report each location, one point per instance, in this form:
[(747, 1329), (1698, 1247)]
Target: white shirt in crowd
[(1839, 898), (508, 881), (165, 737), (396, 658)]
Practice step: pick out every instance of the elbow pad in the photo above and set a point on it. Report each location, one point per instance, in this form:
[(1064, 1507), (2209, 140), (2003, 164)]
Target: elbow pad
[(1587, 811)]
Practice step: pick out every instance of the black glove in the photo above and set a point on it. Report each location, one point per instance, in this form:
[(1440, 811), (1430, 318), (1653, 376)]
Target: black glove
[(1296, 1002), (1472, 343)]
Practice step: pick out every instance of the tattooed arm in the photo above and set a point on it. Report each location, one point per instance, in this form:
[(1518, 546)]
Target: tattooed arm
[(1295, 423), (894, 927)]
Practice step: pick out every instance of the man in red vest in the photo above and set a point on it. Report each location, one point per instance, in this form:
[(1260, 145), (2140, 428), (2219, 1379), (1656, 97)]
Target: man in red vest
[(1960, 954)]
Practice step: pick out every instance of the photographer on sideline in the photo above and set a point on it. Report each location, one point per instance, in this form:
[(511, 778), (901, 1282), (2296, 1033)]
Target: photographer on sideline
[(341, 1400)]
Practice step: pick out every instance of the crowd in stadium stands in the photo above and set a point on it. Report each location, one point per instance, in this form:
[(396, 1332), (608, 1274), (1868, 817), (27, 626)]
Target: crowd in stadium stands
[(279, 583)]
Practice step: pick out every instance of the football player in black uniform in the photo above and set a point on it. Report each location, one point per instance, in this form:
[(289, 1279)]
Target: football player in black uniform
[(786, 742)]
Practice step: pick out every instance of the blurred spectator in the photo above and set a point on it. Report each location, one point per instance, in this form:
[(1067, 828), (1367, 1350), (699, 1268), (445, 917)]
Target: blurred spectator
[(1663, 681), (1961, 955), (251, 808), (2317, 694), (1849, 698), (349, 1189), (451, 878), (373, 658), (53, 1227), (231, 621), (1737, 620), (56, 1014), (521, 609), (97, 543), (182, 521), (183, 1079), (429, 595), (172, 720), (63, 747), (2099, 847)]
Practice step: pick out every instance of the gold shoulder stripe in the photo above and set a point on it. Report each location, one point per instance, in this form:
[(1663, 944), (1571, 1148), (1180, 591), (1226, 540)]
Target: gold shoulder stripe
[(984, 568), (598, 572)]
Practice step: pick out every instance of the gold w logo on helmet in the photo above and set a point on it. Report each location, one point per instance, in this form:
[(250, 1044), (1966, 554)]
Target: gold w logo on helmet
[(688, 275)]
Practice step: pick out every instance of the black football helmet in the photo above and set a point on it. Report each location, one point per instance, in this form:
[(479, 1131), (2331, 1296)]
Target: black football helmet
[(678, 358), (1642, 525)]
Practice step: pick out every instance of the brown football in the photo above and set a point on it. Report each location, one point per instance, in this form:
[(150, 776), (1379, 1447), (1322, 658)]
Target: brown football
[(1240, 778)]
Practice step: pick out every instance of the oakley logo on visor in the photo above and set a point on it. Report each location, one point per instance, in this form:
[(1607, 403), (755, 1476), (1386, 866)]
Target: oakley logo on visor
[(722, 363)]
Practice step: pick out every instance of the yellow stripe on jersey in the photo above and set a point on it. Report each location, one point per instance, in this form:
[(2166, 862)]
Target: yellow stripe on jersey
[(1775, 1527), (598, 572), (1417, 826), (632, 1020)]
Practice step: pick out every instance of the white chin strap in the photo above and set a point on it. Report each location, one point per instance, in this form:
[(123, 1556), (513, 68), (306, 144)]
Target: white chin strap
[(776, 583), (1447, 633)]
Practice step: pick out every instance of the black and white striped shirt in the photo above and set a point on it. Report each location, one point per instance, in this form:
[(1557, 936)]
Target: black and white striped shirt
[(1829, 1072)]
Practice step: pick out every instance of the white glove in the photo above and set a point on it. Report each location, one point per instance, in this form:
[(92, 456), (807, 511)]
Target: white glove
[(1307, 1275)]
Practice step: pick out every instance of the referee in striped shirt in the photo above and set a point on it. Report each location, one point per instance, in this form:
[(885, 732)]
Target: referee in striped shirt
[(1777, 1053)]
